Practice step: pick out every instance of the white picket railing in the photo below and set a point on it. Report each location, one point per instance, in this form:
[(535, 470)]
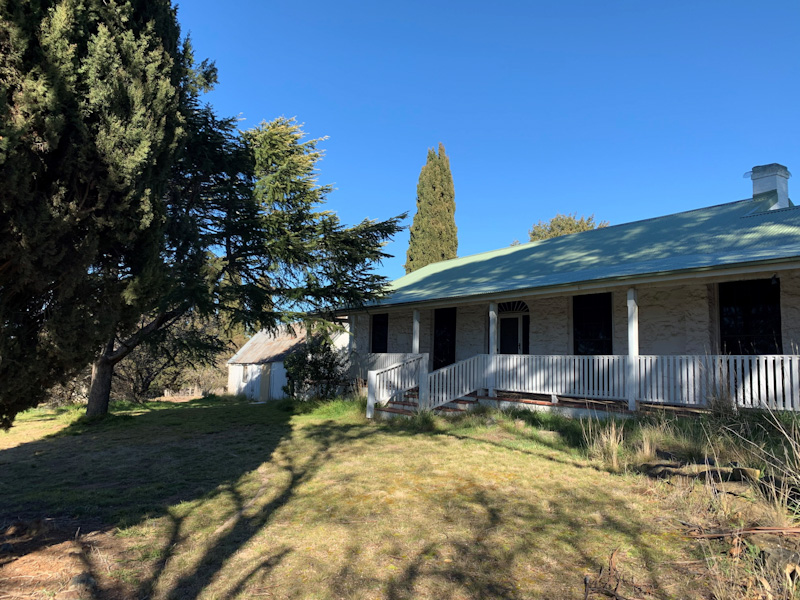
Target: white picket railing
[(390, 383), (686, 380), (601, 377), (362, 363), (764, 381), (454, 381)]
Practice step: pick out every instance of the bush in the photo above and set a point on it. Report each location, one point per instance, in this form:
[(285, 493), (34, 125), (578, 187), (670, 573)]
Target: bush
[(316, 370), (73, 391)]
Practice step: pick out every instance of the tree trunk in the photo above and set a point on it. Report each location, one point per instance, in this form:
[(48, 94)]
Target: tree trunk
[(100, 389), (103, 366)]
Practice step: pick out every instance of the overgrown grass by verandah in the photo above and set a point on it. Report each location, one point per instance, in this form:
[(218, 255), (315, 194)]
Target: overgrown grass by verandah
[(762, 440), (222, 498), (702, 452)]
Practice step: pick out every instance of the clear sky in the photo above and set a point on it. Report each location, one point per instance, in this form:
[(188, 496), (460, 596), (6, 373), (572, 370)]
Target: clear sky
[(624, 109)]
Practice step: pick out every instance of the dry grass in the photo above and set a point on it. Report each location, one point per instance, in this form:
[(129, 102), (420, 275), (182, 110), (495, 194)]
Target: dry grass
[(703, 454), (604, 441), (221, 499)]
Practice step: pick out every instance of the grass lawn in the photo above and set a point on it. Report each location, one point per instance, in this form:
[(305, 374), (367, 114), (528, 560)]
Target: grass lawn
[(217, 498)]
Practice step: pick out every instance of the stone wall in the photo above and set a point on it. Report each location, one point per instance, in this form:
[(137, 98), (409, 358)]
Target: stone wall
[(400, 329), (359, 324), (472, 324), (676, 320), (550, 325)]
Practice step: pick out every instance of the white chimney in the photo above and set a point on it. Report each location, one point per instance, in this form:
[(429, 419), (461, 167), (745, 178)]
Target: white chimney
[(772, 178)]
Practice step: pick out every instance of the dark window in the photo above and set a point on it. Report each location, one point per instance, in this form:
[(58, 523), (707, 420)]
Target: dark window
[(444, 337), (750, 317), (591, 324), (380, 333)]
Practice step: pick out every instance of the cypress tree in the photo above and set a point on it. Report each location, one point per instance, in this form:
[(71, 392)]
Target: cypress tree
[(434, 236), (90, 119)]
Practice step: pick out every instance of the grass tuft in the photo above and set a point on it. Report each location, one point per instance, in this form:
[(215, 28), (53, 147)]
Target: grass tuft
[(604, 441)]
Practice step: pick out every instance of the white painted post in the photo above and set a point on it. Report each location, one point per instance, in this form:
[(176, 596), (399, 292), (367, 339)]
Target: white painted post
[(633, 348), (372, 390), (415, 334), (424, 385), (492, 363)]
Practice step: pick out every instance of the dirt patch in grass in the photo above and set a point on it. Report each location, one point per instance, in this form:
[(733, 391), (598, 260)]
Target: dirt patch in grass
[(232, 500), (62, 560)]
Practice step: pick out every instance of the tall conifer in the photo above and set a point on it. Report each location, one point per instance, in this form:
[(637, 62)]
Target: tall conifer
[(434, 236), (90, 120), (127, 206)]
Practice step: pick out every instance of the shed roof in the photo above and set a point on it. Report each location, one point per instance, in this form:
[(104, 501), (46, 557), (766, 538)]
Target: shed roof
[(267, 347), (729, 234)]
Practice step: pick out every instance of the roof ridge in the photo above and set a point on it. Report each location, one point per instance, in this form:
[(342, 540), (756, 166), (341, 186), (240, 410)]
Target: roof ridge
[(527, 244)]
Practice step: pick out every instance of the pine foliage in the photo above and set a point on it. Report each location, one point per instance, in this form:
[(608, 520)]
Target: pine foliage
[(127, 206), (246, 237), (434, 236), (563, 225), (304, 258), (90, 120)]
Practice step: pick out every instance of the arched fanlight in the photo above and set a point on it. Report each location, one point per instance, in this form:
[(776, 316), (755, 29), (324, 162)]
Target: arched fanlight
[(518, 306)]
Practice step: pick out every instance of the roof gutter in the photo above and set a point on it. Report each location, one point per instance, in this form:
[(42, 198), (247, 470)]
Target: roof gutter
[(664, 277)]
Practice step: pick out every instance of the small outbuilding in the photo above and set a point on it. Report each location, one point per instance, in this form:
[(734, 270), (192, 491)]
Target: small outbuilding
[(257, 370)]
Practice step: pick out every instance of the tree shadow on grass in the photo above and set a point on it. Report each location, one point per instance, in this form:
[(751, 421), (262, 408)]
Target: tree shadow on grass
[(124, 469), (475, 556), (174, 464), (250, 519), (166, 464)]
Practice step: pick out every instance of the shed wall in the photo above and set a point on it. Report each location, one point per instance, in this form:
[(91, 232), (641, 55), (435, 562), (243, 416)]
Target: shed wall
[(264, 382)]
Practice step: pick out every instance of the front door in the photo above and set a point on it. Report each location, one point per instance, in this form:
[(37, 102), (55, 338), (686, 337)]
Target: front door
[(444, 337), (509, 335), (514, 334)]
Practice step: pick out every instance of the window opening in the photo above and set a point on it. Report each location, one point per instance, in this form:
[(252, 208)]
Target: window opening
[(379, 342), (592, 328), (750, 317)]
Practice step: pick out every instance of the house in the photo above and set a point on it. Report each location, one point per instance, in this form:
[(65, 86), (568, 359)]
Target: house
[(257, 370), (679, 309)]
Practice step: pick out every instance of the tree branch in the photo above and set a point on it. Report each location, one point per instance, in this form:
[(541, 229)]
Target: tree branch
[(163, 320)]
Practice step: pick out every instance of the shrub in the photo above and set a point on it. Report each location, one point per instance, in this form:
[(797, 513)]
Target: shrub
[(316, 370)]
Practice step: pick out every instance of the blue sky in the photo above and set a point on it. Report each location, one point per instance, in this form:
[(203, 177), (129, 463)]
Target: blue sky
[(623, 109)]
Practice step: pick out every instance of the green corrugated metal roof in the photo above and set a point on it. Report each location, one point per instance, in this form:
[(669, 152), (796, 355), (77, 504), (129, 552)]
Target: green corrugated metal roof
[(728, 234)]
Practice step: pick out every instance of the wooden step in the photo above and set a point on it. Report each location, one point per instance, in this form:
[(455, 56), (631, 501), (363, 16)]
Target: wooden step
[(449, 409), (397, 411), (403, 403), (519, 400)]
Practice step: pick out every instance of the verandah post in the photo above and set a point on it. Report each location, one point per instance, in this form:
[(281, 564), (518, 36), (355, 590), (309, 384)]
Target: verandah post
[(491, 365), (633, 348), (372, 385), (415, 333), (422, 397)]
